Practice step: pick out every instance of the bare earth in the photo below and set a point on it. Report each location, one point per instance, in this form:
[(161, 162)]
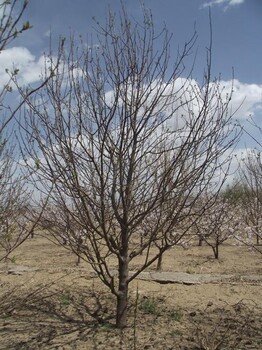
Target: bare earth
[(47, 302)]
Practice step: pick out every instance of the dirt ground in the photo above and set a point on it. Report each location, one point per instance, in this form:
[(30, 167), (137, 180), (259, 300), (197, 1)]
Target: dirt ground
[(47, 302)]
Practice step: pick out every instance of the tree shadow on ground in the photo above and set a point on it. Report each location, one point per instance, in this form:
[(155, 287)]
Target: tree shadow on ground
[(235, 326), (51, 317)]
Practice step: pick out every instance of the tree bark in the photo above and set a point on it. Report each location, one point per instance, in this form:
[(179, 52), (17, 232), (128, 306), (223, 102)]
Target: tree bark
[(200, 241), (257, 238), (122, 297), (159, 263), (215, 250)]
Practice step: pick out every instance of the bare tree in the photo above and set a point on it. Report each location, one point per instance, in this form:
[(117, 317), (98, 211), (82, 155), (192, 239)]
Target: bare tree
[(250, 174), (11, 14), (14, 197), (124, 139), (18, 218)]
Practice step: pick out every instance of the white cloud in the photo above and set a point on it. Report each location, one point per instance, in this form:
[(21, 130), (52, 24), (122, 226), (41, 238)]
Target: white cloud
[(237, 157), (246, 99), (30, 68), (225, 3)]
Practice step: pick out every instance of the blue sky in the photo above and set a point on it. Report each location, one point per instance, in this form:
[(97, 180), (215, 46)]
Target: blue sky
[(237, 27), (237, 39)]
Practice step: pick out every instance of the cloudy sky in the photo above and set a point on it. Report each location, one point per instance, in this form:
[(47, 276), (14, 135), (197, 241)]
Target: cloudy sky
[(237, 36)]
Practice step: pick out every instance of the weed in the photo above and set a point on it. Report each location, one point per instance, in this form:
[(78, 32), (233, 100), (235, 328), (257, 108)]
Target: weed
[(149, 306), (106, 327), (175, 333), (65, 299), (13, 259), (176, 315), (5, 316)]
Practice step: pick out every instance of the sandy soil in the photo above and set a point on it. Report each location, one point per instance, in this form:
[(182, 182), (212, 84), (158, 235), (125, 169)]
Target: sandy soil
[(47, 302)]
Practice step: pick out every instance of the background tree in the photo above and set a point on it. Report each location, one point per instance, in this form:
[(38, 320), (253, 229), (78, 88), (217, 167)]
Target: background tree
[(250, 174), (235, 192), (219, 222), (14, 197), (14, 205), (122, 138)]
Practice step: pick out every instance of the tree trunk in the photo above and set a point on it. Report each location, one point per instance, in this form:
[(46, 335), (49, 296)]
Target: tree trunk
[(200, 241), (121, 312), (257, 237), (141, 243), (215, 250), (159, 263)]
